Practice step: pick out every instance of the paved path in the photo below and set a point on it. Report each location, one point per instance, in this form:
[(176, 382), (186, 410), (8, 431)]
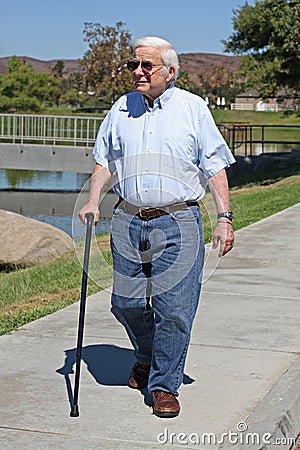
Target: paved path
[(242, 371)]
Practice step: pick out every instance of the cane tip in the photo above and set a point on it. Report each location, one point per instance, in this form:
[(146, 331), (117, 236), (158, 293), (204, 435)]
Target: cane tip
[(74, 411)]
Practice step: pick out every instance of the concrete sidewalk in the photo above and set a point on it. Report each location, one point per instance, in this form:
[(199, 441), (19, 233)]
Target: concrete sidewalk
[(242, 373)]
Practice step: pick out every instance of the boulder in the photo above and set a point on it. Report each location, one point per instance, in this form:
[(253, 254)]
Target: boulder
[(26, 242)]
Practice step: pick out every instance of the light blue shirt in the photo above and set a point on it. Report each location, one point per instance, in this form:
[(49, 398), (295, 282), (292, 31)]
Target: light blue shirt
[(161, 155)]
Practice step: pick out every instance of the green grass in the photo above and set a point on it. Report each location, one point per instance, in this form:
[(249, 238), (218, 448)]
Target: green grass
[(257, 117), (31, 293), (256, 203)]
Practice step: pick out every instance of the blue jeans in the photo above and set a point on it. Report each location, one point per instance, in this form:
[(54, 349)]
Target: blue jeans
[(157, 280)]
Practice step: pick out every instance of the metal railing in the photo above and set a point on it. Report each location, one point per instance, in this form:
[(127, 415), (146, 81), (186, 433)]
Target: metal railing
[(246, 137), (275, 107), (82, 131), (242, 106), (49, 130)]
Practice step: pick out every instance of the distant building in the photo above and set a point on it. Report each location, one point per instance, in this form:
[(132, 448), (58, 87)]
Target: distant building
[(251, 101)]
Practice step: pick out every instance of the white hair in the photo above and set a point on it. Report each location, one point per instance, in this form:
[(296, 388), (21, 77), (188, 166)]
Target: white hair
[(168, 54)]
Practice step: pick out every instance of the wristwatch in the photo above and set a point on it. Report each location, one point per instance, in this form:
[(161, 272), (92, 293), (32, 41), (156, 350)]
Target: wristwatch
[(226, 214)]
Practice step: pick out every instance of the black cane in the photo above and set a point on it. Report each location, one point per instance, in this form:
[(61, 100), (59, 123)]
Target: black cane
[(90, 218)]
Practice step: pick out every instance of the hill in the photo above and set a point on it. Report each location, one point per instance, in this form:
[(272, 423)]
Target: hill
[(192, 63), (71, 65)]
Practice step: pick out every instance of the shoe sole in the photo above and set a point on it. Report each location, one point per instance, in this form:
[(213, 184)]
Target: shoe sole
[(166, 414), (137, 387)]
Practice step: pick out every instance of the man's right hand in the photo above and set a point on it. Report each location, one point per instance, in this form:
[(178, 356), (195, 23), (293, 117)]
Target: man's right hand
[(99, 178), (89, 208)]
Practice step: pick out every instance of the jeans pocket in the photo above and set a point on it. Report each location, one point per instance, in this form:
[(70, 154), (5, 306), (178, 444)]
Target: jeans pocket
[(186, 215)]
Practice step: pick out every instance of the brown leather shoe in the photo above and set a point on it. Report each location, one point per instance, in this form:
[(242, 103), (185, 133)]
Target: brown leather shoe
[(139, 376), (165, 404)]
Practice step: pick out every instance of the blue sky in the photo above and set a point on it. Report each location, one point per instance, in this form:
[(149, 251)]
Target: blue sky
[(53, 29)]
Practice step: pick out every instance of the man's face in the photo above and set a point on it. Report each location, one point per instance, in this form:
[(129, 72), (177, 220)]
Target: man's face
[(151, 84)]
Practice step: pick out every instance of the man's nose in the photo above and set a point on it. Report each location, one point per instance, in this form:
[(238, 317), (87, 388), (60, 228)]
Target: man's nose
[(139, 70)]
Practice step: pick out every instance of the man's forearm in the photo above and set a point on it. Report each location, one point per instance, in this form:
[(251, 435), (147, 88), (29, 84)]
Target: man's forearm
[(99, 178), (223, 234), (218, 185)]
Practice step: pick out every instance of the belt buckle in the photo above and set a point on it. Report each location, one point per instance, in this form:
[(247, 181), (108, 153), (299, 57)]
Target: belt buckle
[(144, 210)]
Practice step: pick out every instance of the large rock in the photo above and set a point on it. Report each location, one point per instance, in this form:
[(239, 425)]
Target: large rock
[(26, 242)]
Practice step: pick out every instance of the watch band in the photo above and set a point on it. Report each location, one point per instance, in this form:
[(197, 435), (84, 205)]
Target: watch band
[(226, 214)]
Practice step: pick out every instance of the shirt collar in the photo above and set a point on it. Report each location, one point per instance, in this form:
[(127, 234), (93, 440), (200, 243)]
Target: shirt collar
[(160, 102)]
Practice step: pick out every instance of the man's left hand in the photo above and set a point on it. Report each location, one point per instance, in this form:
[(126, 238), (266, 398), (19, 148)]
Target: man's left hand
[(224, 235)]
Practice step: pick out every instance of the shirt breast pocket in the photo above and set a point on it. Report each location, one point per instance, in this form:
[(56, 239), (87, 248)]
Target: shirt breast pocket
[(179, 147)]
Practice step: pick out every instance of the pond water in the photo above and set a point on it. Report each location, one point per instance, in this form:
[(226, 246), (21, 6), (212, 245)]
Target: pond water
[(50, 197), (257, 149), (42, 181)]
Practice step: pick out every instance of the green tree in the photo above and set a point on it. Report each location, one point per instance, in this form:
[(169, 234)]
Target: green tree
[(105, 60), (267, 36), (216, 82), (58, 69), (22, 89), (44, 88), (184, 81), (72, 90)]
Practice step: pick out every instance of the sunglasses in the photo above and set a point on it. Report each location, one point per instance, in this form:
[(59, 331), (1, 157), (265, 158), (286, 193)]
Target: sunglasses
[(147, 66)]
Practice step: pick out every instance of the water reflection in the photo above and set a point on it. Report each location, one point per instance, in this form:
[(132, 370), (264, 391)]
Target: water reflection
[(49, 197), (41, 180), (259, 148)]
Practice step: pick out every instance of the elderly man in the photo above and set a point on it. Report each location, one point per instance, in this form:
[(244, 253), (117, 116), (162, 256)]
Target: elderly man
[(163, 147)]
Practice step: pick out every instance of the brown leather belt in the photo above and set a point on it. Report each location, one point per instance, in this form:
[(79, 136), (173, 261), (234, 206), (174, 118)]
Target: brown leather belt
[(151, 213)]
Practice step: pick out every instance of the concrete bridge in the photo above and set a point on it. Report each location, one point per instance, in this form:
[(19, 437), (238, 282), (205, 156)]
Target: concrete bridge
[(64, 143), (54, 143), (46, 157)]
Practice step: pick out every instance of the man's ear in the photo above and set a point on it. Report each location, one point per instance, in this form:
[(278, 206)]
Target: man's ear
[(171, 73)]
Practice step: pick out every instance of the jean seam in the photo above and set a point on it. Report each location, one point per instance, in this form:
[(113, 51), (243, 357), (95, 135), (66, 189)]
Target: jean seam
[(191, 304), (149, 340)]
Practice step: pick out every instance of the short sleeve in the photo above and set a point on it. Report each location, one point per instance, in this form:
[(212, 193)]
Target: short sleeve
[(214, 154), (102, 147)]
